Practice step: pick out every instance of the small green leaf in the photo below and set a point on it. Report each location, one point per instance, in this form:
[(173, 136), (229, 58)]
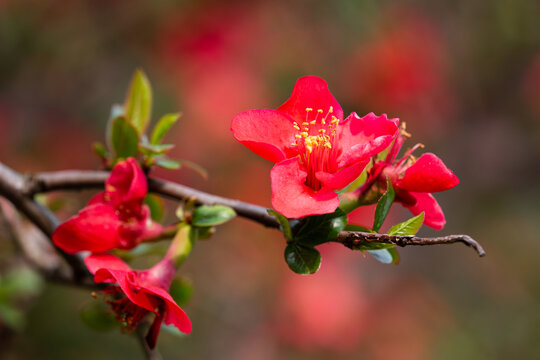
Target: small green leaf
[(163, 125), (358, 228), (125, 138), (195, 167), (409, 227), (385, 256), (369, 245), (302, 259), (383, 207), (212, 215), (318, 229), (283, 223), (157, 149), (100, 150), (12, 317), (205, 233), (157, 208), (183, 242), (138, 104), (97, 316), (181, 290), (168, 164)]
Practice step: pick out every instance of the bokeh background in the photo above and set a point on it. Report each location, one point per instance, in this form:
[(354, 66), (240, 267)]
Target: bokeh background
[(463, 74)]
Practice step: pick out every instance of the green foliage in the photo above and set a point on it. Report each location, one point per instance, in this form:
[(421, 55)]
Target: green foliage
[(163, 126), (213, 215), (383, 207), (97, 316), (181, 290), (318, 229), (285, 227), (168, 164), (124, 138), (138, 104), (157, 208), (409, 227), (302, 259)]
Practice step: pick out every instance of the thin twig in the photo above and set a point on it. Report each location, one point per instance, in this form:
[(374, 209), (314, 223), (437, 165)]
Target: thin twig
[(150, 354), (353, 240), (77, 180)]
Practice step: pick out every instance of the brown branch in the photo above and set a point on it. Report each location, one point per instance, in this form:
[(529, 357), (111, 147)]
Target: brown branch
[(73, 180), (354, 239), (12, 187)]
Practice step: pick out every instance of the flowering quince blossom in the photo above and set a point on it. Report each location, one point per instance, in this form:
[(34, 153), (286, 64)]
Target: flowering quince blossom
[(139, 293), (115, 218), (415, 179), (315, 150)]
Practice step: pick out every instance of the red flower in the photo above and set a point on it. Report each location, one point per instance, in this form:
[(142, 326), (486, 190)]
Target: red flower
[(316, 152), (415, 179), (115, 218), (139, 293)]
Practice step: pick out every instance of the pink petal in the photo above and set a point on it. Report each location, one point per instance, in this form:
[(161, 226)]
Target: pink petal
[(268, 133), (173, 313), (343, 177), (428, 174), (292, 198), (434, 216), (310, 92), (127, 183), (95, 262), (99, 198), (93, 229), (363, 137)]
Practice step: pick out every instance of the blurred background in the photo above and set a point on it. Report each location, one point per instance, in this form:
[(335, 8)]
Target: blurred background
[(463, 74)]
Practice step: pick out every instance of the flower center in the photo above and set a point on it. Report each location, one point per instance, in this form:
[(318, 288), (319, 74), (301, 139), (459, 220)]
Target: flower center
[(128, 314), (316, 144)]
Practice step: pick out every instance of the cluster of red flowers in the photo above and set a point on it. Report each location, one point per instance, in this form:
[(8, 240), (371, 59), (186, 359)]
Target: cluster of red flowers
[(317, 153), (118, 219)]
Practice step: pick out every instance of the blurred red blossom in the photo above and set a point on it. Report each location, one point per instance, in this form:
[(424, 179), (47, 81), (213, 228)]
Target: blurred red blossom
[(315, 150), (139, 293), (115, 218), (402, 69)]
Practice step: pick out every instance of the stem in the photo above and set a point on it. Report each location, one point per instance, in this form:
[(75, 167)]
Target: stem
[(82, 179)]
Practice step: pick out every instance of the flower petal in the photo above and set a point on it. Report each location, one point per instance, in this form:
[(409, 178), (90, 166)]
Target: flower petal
[(95, 262), (93, 229), (363, 137), (428, 174), (126, 184), (173, 313), (433, 214), (292, 198), (268, 133), (343, 177), (310, 92)]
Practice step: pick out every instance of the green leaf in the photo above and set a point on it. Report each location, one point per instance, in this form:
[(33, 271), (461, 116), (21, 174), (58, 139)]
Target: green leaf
[(183, 242), (181, 290), (168, 164), (285, 227), (383, 207), (138, 104), (12, 317), (369, 245), (409, 227), (206, 233), (163, 125), (195, 167), (125, 138), (358, 228), (385, 256), (100, 150), (212, 215), (157, 208), (302, 259), (97, 316), (155, 149), (318, 229)]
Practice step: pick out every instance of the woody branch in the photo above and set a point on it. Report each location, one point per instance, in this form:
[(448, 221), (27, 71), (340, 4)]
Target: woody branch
[(20, 189)]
